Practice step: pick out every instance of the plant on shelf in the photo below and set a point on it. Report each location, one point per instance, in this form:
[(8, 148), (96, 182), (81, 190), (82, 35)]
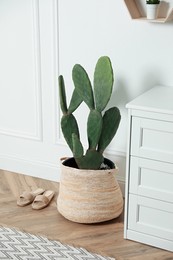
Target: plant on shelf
[(88, 191), (152, 9), (101, 128)]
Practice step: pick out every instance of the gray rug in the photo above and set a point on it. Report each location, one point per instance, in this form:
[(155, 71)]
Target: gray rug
[(15, 244)]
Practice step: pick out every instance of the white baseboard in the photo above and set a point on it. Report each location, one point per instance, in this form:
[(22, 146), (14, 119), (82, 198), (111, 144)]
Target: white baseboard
[(37, 169)]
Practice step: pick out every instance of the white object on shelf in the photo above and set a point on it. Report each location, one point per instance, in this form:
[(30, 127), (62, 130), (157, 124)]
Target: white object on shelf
[(149, 170), (152, 11)]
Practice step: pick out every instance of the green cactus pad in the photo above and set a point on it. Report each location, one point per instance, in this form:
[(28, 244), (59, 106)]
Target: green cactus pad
[(69, 126), (103, 82), (111, 120), (92, 160), (94, 128), (76, 100), (62, 94), (83, 85), (77, 146)]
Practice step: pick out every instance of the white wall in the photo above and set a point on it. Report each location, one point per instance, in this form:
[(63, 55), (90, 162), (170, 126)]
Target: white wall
[(141, 53)]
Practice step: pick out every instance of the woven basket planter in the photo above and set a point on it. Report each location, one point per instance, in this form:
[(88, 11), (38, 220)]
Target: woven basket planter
[(89, 196)]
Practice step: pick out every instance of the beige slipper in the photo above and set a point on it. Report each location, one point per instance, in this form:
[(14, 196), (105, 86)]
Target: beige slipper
[(42, 201), (27, 197)]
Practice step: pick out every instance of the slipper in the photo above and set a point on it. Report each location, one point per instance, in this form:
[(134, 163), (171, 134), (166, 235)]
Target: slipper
[(27, 197), (42, 201)]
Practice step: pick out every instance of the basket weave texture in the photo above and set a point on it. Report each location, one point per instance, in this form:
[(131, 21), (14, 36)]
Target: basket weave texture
[(89, 196)]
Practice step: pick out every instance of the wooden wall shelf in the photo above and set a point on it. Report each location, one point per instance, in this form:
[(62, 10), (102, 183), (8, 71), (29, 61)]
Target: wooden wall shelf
[(135, 13)]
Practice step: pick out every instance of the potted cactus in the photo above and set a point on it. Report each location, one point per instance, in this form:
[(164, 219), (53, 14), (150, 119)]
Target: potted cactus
[(89, 191), (152, 9)]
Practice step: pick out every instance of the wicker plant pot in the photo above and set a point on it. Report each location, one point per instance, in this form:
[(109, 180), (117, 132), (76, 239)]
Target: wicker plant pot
[(88, 196)]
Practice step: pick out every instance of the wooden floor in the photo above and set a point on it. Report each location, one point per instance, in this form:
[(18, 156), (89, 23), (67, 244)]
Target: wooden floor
[(105, 238)]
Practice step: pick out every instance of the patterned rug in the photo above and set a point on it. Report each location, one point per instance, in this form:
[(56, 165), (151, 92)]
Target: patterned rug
[(15, 244)]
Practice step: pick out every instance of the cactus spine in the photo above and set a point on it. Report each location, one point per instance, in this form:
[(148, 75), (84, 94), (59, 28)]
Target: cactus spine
[(101, 127)]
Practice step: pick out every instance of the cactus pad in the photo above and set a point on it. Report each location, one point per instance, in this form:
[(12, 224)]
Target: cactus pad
[(77, 146), (69, 126), (92, 160), (83, 85), (111, 120), (94, 128), (103, 82), (62, 94)]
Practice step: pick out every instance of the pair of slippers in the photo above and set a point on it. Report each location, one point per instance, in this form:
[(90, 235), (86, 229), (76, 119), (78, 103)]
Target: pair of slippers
[(39, 198)]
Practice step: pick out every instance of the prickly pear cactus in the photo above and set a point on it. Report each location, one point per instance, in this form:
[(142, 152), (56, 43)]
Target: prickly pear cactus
[(101, 126)]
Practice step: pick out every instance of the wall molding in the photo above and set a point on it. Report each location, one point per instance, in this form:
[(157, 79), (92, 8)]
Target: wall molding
[(56, 122), (38, 135), (37, 55)]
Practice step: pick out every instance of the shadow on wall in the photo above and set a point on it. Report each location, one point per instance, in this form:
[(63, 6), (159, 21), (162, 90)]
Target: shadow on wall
[(150, 80), (122, 94)]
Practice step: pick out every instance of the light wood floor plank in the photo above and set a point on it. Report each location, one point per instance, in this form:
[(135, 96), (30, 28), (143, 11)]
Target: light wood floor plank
[(105, 238)]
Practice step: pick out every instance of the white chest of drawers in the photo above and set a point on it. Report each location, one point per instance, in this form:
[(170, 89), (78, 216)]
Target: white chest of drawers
[(149, 172)]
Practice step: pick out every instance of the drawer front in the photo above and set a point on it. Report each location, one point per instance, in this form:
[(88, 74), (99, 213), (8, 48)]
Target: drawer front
[(152, 139), (149, 216), (151, 178)]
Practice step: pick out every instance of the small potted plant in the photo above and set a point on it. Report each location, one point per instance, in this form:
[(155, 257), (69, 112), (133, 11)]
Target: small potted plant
[(152, 9), (89, 192)]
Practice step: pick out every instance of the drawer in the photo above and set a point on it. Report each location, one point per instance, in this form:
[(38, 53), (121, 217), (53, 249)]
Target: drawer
[(152, 139), (149, 216), (151, 178)]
